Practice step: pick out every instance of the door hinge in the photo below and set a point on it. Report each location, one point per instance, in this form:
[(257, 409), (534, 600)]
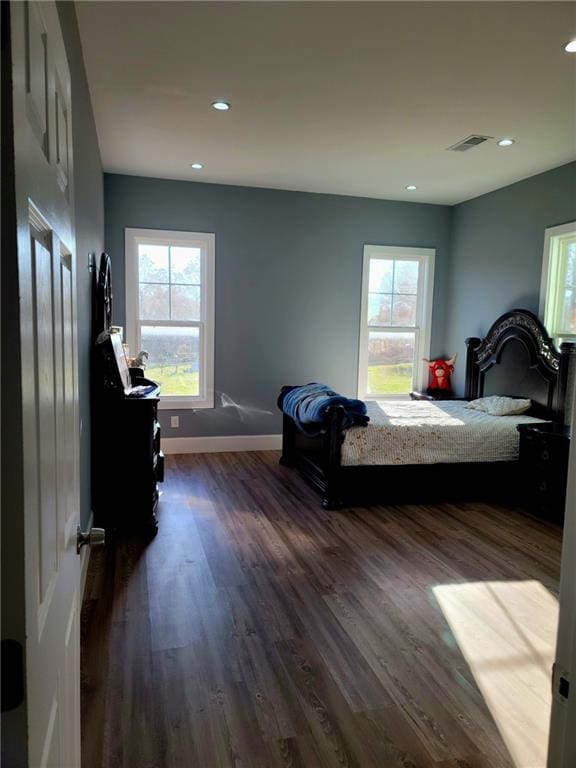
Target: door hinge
[(12, 675), (560, 684)]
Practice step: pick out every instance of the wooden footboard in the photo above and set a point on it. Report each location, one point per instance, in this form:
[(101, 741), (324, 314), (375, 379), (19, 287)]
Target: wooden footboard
[(318, 459)]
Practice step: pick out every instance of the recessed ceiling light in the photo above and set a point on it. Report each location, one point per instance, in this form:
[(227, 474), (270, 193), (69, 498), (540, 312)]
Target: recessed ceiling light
[(221, 106), (411, 187), (571, 46), (505, 142), (197, 166)]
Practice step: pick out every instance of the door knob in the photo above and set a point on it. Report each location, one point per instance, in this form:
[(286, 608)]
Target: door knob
[(95, 537)]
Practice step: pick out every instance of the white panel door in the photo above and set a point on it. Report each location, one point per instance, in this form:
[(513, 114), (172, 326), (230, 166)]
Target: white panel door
[(53, 589), (48, 358)]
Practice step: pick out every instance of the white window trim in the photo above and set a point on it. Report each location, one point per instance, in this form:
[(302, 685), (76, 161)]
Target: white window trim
[(206, 241), (426, 257), (547, 312)]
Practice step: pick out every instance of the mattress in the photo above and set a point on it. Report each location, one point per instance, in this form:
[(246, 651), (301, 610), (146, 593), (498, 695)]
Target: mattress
[(431, 432)]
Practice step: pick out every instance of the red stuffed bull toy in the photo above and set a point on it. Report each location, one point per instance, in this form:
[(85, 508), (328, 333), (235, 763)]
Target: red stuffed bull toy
[(439, 377)]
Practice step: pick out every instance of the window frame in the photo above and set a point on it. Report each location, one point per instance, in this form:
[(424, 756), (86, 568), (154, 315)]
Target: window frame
[(426, 258), (206, 241), (549, 304)]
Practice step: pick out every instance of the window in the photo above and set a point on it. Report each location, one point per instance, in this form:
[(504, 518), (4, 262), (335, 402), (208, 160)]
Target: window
[(558, 290), (397, 286), (170, 312)]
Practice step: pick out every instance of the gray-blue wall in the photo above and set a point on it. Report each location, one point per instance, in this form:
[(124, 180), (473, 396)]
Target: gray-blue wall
[(89, 213), (288, 283), (496, 253)]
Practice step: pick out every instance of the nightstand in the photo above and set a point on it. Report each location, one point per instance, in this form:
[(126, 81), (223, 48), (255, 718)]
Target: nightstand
[(544, 467)]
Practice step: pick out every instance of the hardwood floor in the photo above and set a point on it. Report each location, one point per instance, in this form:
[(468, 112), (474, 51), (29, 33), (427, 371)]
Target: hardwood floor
[(259, 630)]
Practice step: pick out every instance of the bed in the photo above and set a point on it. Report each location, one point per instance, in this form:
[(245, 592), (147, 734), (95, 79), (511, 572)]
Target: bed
[(441, 451)]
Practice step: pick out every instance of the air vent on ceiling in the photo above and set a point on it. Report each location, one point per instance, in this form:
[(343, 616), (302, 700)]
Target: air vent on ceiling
[(469, 143)]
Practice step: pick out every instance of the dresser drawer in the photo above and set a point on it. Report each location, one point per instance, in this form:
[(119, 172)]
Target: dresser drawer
[(543, 449)]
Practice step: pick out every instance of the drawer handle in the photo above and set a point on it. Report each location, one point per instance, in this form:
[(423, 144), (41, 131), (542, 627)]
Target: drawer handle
[(545, 455)]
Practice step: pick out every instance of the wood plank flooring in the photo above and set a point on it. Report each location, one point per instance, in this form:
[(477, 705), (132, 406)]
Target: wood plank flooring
[(260, 631)]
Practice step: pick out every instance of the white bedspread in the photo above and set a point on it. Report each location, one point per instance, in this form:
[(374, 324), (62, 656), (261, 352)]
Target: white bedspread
[(425, 432)]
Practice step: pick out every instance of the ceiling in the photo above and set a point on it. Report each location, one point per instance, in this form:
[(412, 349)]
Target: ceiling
[(346, 98)]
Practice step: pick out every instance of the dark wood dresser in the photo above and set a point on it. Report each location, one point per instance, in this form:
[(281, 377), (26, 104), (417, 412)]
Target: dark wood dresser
[(127, 463), (544, 467)]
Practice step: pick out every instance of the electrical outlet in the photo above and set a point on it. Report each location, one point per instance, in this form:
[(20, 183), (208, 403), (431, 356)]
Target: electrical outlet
[(175, 422)]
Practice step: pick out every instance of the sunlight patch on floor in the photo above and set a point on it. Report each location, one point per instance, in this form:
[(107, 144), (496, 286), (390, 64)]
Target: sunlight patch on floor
[(506, 630)]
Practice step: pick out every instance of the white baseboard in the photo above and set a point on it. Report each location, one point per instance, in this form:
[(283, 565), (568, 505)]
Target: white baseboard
[(229, 443)]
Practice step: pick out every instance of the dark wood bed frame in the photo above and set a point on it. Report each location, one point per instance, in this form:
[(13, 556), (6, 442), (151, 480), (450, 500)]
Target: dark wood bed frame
[(517, 358)]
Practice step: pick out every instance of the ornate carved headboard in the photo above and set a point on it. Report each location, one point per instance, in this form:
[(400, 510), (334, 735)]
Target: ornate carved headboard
[(517, 358)]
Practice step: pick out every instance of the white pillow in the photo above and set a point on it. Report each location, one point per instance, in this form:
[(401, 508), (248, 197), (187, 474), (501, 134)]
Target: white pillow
[(500, 406)]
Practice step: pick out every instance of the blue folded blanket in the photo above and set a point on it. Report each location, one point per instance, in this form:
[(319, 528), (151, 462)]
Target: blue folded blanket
[(307, 406)]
